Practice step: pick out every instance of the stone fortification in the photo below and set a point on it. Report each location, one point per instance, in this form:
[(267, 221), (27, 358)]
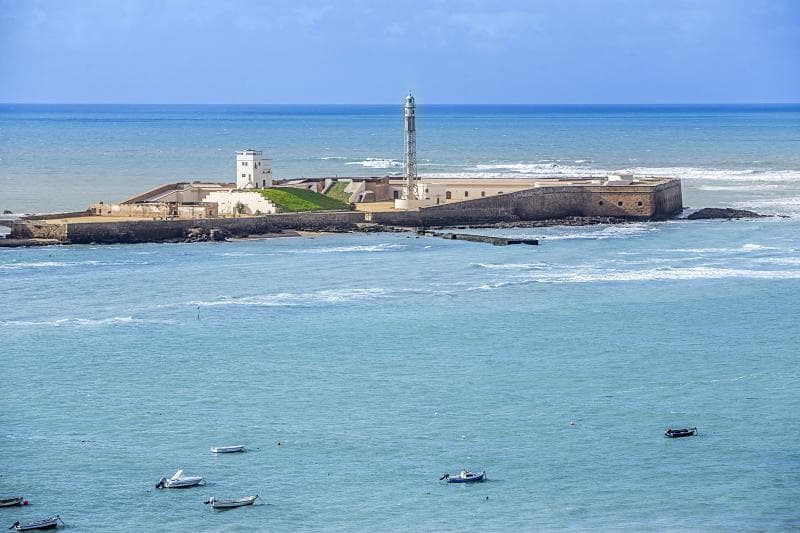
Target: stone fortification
[(133, 231), (655, 200), (624, 201)]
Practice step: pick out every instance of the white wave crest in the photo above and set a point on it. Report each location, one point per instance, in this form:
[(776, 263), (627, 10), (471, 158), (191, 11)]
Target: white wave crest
[(289, 299), (384, 247), (376, 162), (510, 266), (84, 322), (62, 264), (589, 275), (749, 247)]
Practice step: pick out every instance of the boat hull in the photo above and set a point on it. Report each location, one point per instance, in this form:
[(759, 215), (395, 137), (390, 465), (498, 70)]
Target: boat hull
[(475, 478), (221, 505), (680, 433), (227, 449), (11, 502)]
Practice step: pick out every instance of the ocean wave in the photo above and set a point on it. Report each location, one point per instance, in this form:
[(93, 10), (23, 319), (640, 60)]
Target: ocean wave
[(749, 247), (304, 299), (384, 247), (615, 231), (332, 157), (772, 206), (377, 162), (578, 168), (85, 322), (589, 275), (510, 266), (63, 264)]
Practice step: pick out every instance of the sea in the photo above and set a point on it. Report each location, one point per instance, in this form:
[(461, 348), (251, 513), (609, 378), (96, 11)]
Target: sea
[(359, 368)]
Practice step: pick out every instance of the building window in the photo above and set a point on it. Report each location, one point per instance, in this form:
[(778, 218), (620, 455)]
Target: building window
[(244, 163), (483, 193), (639, 204), (466, 194), (499, 193), (244, 175), (448, 195), (619, 204), (264, 183), (395, 194), (600, 202)]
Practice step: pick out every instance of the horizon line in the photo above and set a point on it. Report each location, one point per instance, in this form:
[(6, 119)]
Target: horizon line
[(395, 103)]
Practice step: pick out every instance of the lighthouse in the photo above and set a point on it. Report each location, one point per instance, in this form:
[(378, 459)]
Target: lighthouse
[(410, 185)]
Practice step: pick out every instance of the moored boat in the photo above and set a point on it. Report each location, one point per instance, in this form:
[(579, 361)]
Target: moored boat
[(11, 502), (228, 449), (465, 476), (46, 523), (179, 481), (231, 503), (678, 433)]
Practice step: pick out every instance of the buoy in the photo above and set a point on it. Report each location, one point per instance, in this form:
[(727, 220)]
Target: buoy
[(24, 502), (571, 422)]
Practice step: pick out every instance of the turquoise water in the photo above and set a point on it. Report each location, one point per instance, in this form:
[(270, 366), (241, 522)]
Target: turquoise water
[(66, 157), (378, 362)]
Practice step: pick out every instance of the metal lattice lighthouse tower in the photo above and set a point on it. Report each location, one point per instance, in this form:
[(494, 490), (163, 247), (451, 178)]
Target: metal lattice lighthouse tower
[(410, 187)]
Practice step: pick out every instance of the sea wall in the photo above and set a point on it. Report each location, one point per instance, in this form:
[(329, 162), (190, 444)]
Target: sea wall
[(636, 202), (132, 231)]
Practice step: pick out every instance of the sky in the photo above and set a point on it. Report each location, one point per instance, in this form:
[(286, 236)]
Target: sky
[(374, 51)]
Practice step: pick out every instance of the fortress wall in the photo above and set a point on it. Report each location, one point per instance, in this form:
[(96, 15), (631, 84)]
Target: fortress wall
[(38, 230), (167, 230)]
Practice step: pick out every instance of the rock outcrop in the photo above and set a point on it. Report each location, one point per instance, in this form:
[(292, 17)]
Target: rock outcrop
[(718, 212)]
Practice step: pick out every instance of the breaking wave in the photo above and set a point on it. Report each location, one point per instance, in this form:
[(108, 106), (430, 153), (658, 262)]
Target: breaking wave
[(385, 247), (510, 266), (305, 299), (655, 274), (376, 162), (63, 264), (85, 322)]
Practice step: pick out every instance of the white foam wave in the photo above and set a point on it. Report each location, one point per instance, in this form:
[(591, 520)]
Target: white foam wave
[(384, 247), (62, 264), (84, 322), (615, 231), (739, 188), (289, 299), (589, 275), (579, 167), (376, 162), (332, 157), (749, 247), (510, 266), (773, 206)]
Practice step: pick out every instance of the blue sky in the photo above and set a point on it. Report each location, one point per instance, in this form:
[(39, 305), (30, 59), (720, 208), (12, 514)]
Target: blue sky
[(361, 51)]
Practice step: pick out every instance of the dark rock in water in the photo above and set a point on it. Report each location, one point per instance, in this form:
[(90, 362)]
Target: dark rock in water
[(727, 212), (217, 234), (7, 212)]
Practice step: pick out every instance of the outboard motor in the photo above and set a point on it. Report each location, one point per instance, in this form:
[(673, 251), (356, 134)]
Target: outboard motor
[(161, 483)]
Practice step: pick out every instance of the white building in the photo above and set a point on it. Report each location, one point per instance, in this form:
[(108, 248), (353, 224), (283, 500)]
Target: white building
[(252, 170)]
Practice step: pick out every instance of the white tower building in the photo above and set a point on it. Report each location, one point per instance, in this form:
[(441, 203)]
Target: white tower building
[(252, 170), (410, 186)]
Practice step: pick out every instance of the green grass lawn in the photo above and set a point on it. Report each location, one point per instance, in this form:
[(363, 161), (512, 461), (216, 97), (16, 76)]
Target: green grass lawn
[(337, 191), (292, 200)]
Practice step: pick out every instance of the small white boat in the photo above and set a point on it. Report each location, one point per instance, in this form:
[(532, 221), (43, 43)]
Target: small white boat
[(228, 449), (179, 481), (231, 503), (46, 523)]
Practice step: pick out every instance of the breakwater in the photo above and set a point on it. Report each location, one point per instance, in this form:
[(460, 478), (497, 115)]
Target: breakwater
[(497, 241)]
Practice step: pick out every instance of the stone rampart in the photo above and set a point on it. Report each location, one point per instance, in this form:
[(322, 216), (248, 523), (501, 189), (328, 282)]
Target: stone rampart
[(168, 230)]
